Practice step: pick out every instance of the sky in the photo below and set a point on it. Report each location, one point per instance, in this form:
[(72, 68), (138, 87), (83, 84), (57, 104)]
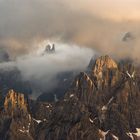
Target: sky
[(99, 24), (80, 29), (113, 9)]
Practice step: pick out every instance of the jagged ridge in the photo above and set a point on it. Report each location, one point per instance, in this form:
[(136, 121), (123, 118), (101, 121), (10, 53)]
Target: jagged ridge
[(101, 104)]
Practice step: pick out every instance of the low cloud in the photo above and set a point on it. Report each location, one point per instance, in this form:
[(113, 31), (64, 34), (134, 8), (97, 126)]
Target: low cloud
[(41, 69)]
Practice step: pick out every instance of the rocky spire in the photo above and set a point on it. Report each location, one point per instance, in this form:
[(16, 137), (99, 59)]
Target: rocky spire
[(104, 72), (14, 101)]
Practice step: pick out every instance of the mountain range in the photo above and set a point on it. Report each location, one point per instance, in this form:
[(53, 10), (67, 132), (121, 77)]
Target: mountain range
[(101, 103)]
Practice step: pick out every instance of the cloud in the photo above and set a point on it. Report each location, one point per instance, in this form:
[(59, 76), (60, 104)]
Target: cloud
[(98, 24), (42, 70), (66, 58)]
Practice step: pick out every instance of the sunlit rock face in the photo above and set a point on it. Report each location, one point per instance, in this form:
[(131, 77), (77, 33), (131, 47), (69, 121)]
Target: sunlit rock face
[(92, 111), (20, 117), (105, 72), (15, 101), (15, 117)]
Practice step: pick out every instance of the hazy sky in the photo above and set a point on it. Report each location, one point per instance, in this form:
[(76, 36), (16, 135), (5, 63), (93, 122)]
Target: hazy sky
[(114, 9), (100, 24)]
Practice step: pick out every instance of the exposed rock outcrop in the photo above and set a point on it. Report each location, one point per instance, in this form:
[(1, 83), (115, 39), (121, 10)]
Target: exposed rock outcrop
[(106, 98), (15, 118), (21, 117), (105, 72), (102, 104), (15, 101)]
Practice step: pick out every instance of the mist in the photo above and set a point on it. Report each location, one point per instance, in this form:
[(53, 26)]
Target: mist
[(41, 68), (95, 24)]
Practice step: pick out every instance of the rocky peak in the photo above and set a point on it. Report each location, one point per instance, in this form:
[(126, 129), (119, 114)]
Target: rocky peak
[(109, 110), (50, 48), (83, 87), (15, 101), (104, 71), (128, 36), (105, 61)]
